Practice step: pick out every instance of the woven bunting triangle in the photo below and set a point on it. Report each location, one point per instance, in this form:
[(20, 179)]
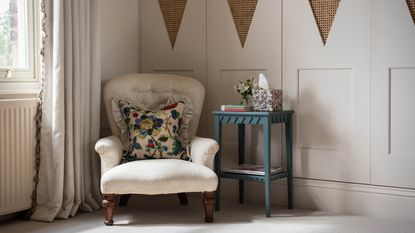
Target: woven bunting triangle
[(242, 13), (411, 6), (324, 12), (172, 11)]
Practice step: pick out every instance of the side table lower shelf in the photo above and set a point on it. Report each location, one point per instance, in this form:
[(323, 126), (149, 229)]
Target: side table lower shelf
[(259, 178)]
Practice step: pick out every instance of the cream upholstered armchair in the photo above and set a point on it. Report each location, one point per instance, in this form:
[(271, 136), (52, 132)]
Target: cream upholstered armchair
[(156, 176)]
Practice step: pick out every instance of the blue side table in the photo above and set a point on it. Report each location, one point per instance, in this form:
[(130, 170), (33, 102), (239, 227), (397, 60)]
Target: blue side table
[(254, 118)]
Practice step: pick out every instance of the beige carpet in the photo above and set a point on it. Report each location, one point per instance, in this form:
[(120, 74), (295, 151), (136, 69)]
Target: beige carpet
[(164, 214)]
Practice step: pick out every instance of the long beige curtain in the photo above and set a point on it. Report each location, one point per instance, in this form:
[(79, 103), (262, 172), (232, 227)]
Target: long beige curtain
[(69, 168)]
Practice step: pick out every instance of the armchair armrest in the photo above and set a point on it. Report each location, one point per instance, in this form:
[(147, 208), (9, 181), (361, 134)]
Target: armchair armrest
[(110, 151), (203, 151)]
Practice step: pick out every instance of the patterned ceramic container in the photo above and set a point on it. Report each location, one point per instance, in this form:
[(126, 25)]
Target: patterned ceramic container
[(267, 100)]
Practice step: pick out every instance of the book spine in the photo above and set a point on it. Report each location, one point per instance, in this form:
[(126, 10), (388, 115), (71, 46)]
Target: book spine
[(234, 106), (234, 110)]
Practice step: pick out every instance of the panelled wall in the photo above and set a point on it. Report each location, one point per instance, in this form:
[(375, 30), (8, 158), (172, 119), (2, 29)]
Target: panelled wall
[(329, 88), (393, 95), (119, 43), (353, 95)]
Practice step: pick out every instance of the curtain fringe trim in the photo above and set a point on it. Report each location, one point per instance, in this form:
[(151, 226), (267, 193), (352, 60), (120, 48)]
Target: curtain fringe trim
[(39, 108)]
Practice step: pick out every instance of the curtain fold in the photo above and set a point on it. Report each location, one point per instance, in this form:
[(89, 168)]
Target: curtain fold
[(69, 167)]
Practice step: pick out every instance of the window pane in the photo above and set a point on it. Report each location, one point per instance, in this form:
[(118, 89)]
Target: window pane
[(13, 34)]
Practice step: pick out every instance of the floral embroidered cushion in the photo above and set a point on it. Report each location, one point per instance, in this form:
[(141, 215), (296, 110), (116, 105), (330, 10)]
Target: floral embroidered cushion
[(160, 103), (153, 134)]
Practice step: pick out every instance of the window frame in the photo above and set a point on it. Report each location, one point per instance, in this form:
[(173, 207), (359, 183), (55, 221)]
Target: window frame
[(29, 74)]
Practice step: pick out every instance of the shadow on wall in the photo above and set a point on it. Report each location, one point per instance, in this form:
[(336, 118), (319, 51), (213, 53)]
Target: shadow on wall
[(104, 125), (316, 129)]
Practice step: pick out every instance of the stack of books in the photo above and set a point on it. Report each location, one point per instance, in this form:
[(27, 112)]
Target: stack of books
[(235, 108), (253, 170)]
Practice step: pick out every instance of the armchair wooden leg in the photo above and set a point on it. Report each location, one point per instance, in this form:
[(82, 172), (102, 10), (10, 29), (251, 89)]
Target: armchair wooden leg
[(183, 198), (209, 204), (109, 204)]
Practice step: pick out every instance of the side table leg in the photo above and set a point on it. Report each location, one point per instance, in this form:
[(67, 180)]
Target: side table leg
[(267, 165), (218, 169), (241, 152), (289, 157)]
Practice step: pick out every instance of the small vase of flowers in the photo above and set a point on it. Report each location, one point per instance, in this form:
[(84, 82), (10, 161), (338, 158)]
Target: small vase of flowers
[(244, 89)]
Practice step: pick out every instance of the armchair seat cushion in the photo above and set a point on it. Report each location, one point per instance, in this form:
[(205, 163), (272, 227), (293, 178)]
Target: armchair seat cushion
[(161, 176)]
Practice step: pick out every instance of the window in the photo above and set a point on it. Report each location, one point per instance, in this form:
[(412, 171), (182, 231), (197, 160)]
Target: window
[(18, 41)]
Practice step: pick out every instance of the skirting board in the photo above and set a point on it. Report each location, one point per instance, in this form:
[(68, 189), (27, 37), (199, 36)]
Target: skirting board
[(336, 197)]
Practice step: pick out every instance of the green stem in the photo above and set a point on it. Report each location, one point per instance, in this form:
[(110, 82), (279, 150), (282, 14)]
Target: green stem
[(155, 143)]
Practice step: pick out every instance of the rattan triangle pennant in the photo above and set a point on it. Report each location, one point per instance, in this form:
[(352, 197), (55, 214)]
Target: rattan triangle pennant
[(411, 6), (172, 11), (324, 12), (242, 14)]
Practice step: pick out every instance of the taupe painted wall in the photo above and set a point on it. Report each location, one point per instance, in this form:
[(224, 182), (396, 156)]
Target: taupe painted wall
[(120, 42)]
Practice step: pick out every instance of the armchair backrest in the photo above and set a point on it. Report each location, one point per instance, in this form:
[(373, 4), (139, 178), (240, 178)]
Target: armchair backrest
[(155, 87)]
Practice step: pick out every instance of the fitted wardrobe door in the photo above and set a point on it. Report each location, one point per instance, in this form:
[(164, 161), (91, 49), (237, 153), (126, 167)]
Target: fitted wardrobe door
[(228, 62), (328, 85), (393, 94), (188, 57)]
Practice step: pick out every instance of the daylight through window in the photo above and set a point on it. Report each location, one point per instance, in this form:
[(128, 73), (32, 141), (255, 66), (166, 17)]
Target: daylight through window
[(13, 34)]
